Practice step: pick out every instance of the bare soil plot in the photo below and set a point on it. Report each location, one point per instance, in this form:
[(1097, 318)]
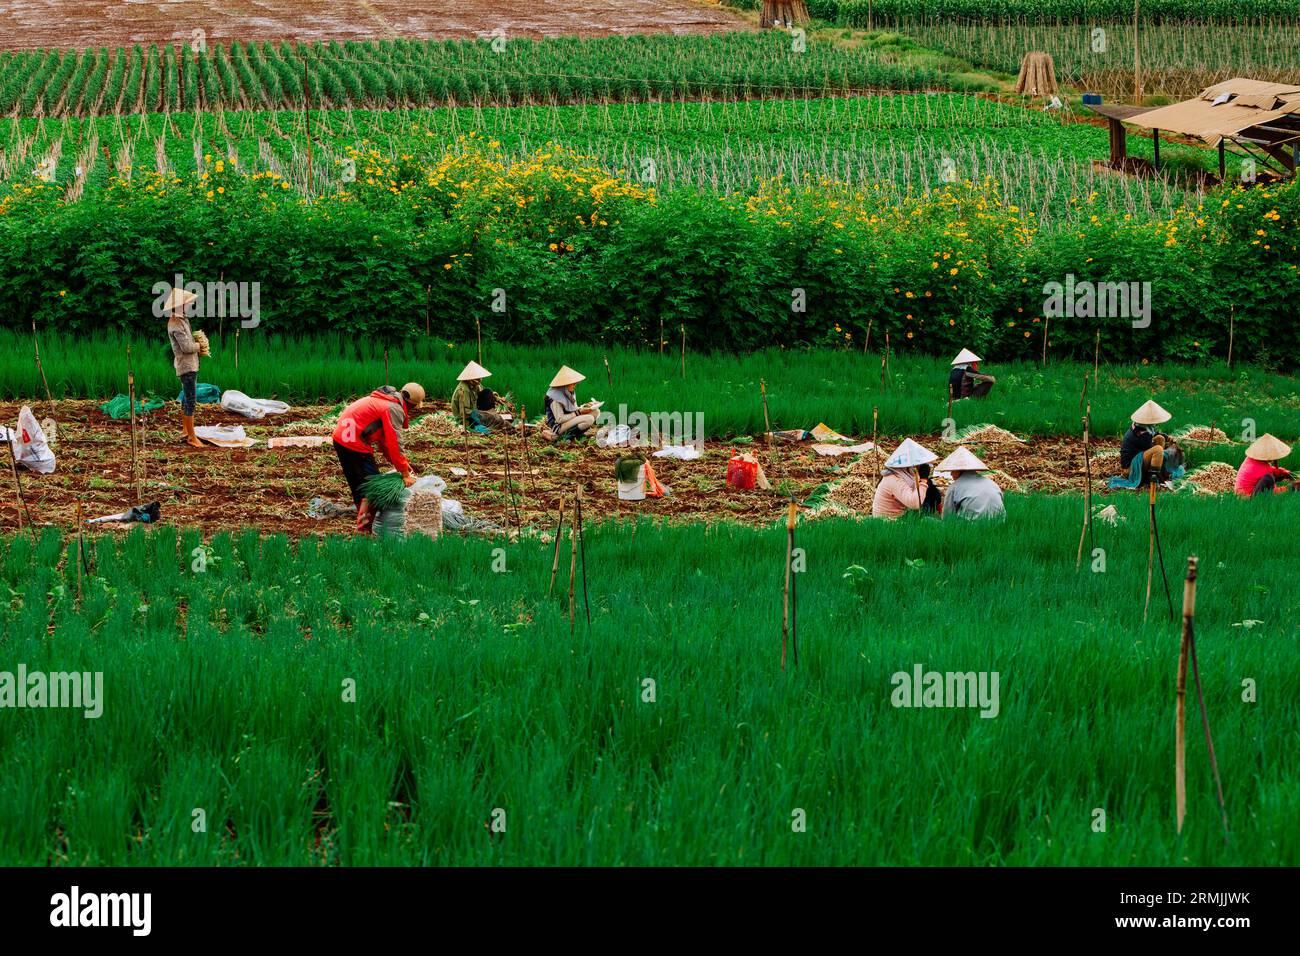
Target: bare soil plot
[(219, 489)]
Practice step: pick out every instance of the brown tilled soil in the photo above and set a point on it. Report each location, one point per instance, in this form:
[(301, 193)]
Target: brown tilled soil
[(82, 23), (223, 489)]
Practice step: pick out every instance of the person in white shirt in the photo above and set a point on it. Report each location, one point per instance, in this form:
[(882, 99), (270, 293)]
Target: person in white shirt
[(971, 494)]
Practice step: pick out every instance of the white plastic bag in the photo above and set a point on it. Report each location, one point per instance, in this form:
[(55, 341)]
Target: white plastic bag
[(29, 444), (239, 403)]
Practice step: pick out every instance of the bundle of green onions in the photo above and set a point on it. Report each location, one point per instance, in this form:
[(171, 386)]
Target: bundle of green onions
[(384, 491), (626, 469)]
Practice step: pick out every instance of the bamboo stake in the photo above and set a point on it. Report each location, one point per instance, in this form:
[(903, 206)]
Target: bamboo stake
[(1151, 547), (785, 598), (1180, 706), (1160, 553), (18, 490), (478, 331), (1087, 486), (875, 448), (866, 345), (385, 364), (80, 559), (1137, 53), (1047, 319), (428, 291), (1205, 723), (36, 346), (555, 558), (130, 395), (609, 375), (661, 335), (767, 422), (528, 457), (683, 350), (236, 348), (950, 401), (1096, 358), (510, 488), (573, 568)]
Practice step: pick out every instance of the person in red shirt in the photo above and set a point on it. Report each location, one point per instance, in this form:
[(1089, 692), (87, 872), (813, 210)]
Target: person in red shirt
[(376, 420), (1258, 475)]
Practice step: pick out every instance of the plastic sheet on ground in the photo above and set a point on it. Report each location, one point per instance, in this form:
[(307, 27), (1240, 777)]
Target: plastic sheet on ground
[(241, 404), (225, 436), (837, 450), (298, 441), (119, 406), (824, 432), (682, 452)]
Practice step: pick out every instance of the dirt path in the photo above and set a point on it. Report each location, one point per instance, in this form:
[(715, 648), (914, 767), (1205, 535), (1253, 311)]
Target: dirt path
[(91, 23), (221, 489)]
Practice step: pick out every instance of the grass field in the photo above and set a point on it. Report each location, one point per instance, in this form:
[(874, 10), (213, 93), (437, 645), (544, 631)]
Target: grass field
[(223, 690), (804, 387)]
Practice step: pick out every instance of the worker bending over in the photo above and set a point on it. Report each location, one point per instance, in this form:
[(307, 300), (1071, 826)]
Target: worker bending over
[(376, 420)]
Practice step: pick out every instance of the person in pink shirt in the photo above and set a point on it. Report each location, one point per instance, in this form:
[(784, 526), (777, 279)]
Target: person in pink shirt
[(1258, 475), (903, 488)]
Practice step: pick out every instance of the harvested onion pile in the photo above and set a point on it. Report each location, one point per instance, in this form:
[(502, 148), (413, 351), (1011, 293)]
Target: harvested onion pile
[(437, 424), (1216, 478), (1204, 435), (984, 434)]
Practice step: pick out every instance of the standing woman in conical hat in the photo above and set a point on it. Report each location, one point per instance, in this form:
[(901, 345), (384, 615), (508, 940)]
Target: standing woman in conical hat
[(186, 349), (564, 416), (474, 405), (1259, 473)]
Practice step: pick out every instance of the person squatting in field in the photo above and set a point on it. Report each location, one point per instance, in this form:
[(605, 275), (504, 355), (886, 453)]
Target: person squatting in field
[(971, 494), (1259, 474), (475, 406), (375, 420), (1160, 457), (906, 484), (966, 380), (565, 418), (187, 346)]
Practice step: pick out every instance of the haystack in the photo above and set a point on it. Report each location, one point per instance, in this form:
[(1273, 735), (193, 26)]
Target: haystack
[(783, 13), (1037, 75)]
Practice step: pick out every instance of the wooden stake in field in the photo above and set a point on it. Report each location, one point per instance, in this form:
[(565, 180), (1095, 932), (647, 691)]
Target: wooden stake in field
[(950, 401), (1046, 321), (792, 515), (21, 506), (767, 422), (528, 457), (1086, 531), (683, 350), (428, 291), (385, 364), (511, 502), (80, 559), (1180, 706), (573, 567), (306, 115), (236, 348), (1096, 358), (478, 331), (661, 335), (1153, 550), (555, 557), (866, 345), (875, 448), (130, 397), (609, 374), (36, 346)]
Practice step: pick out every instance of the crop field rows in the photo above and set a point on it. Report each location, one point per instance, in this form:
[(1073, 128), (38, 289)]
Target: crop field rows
[(904, 143)]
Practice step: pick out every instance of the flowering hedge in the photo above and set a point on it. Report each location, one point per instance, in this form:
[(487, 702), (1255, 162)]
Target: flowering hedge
[(555, 248)]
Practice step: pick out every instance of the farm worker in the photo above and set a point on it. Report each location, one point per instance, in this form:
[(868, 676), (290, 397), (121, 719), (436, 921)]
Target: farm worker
[(374, 420), (901, 489), (186, 350), (1259, 474), (1161, 458), (966, 380), (971, 494), (473, 405), (564, 416)]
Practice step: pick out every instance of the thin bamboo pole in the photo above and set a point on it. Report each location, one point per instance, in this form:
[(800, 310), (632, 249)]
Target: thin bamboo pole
[(582, 549), (767, 421), (1180, 706), (1087, 485), (785, 597), (1151, 547), (573, 568), (555, 558), (683, 350), (21, 505), (1096, 358), (1209, 741), (36, 346)]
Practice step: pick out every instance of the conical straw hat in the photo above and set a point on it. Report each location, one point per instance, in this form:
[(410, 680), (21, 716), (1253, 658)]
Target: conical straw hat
[(909, 454), (963, 459), (966, 357), (473, 372), (1268, 448), (177, 297), (566, 376), (1151, 414)]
